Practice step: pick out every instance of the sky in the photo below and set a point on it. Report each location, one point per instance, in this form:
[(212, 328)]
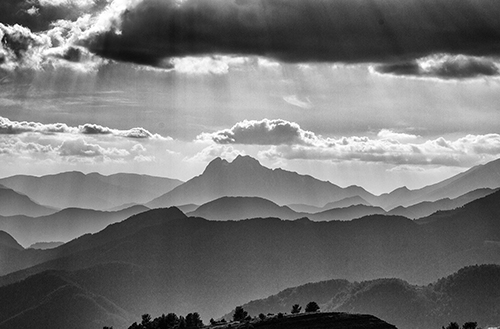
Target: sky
[(376, 93)]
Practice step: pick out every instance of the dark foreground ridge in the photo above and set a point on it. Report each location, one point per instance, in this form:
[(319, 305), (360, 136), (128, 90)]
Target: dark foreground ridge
[(320, 321)]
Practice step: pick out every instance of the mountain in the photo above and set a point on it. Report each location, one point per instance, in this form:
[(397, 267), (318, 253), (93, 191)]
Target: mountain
[(191, 264), (315, 320), (6, 240), (91, 191), (233, 208), (471, 294), (304, 208), (245, 176), (14, 203), (64, 225), (347, 213), (45, 245), (344, 203), (52, 300), (427, 208), (481, 176), (347, 202)]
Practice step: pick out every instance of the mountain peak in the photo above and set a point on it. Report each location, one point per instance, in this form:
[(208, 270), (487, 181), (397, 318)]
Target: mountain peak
[(245, 160)]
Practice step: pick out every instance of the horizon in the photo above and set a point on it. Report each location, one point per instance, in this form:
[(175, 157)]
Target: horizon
[(230, 161)]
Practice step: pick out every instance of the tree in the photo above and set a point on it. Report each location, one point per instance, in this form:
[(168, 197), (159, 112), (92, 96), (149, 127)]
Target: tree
[(314, 307), (452, 325), (193, 320), (239, 314), (296, 309), (262, 316), (469, 325)]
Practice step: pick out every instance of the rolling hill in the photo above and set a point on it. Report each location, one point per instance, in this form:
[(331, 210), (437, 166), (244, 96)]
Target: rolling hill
[(193, 264), (471, 294), (234, 208)]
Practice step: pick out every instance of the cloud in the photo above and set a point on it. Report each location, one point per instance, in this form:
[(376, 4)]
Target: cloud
[(443, 67), (294, 100), (263, 132), (289, 141), (352, 31), (9, 127)]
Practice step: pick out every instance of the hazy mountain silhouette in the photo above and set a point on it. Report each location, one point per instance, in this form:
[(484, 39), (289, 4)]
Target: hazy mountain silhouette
[(245, 176), (6, 240), (46, 245), (347, 202), (304, 208), (482, 176), (344, 203), (211, 266), (427, 208), (471, 294), (91, 191), (64, 225), (231, 208), (13, 203), (347, 213)]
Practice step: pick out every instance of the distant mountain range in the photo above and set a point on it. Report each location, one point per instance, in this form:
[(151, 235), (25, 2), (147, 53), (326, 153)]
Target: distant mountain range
[(471, 294), (183, 264), (245, 176), (91, 191), (427, 208), (63, 225)]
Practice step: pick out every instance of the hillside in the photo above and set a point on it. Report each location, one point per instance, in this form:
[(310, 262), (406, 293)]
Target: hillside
[(226, 263), (427, 208), (471, 294), (347, 213), (478, 177), (13, 203), (6, 240), (64, 225), (233, 208), (90, 191)]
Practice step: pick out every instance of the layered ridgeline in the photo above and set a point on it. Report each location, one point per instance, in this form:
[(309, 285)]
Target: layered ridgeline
[(63, 225), (14, 203), (471, 294), (161, 260), (91, 191)]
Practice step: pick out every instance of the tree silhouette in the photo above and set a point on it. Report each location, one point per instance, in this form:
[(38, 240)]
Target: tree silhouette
[(296, 309), (314, 307), (469, 325), (452, 325), (262, 316), (239, 314)]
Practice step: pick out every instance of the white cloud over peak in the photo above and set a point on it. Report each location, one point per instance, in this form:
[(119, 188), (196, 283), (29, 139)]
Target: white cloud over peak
[(287, 140)]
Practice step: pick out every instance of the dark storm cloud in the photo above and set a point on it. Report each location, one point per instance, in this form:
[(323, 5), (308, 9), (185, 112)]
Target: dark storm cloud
[(443, 67), (302, 30)]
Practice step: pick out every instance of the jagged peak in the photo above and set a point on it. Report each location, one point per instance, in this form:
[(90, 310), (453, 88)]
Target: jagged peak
[(245, 159)]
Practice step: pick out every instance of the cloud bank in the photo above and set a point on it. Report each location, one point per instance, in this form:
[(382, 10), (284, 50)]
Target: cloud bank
[(443, 67), (44, 33), (350, 31), (288, 141), (8, 127)]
